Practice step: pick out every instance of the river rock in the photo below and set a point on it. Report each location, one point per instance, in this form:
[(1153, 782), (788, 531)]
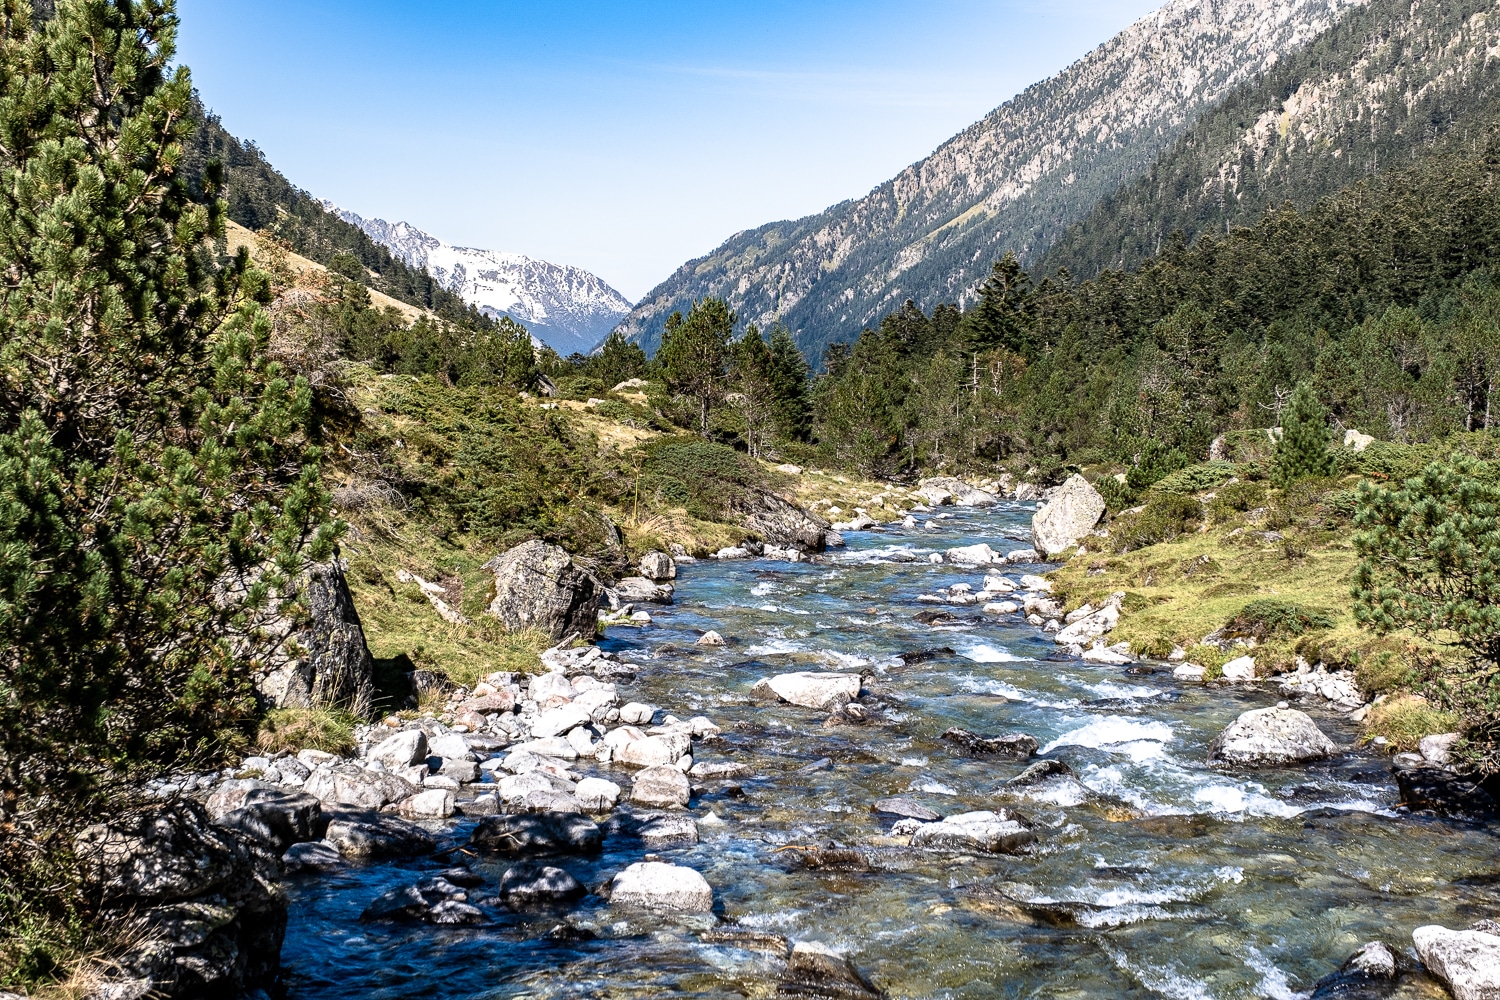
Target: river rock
[(657, 886), (1267, 737), (1018, 745), (1239, 669), (1089, 627), (1049, 781), (401, 750), (597, 795), (999, 832), (202, 899), (538, 833), (1468, 962), (274, 816), (960, 492), (904, 809), (551, 689), (538, 585), (822, 691), (816, 970), (972, 555), (531, 883), (666, 748), (312, 856), (1368, 973), (658, 566), (434, 803), (639, 590), (560, 720), (357, 787), (668, 831), (1438, 749), (1433, 789), (779, 522), (375, 836), (637, 714), (1067, 517), (312, 650), (661, 787)]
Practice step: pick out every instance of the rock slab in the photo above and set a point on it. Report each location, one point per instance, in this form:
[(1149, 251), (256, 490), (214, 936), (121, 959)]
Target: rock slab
[(538, 585), (1468, 962), (1069, 516)]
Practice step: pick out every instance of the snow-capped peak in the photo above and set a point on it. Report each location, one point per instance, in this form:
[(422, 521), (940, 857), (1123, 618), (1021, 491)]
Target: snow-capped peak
[(565, 307)]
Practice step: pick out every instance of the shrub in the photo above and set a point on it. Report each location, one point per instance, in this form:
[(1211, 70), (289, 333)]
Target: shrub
[(1196, 478), (1164, 518), (1117, 495), (1405, 719), (1269, 618), (1209, 656), (287, 730), (1236, 498), (705, 478)]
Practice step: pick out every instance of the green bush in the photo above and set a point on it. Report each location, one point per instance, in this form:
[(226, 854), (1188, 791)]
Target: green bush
[(1164, 518), (1117, 496), (1236, 498), (707, 479), (1196, 478), (1267, 618)]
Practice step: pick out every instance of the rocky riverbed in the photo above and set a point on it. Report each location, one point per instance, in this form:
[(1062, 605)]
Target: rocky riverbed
[(879, 773)]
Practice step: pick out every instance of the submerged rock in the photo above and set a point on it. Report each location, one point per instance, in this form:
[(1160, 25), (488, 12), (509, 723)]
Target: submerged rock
[(905, 809), (1366, 975), (1266, 737), (1017, 745), (534, 883), (657, 886), (816, 970), (1437, 790), (998, 832), (538, 585), (538, 833), (1468, 962)]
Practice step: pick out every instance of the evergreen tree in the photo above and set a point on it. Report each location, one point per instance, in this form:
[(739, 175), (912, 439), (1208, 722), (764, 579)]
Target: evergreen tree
[(618, 360), (157, 483), (753, 377), (1302, 449), (789, 381), (694, 355), (1001, 317)]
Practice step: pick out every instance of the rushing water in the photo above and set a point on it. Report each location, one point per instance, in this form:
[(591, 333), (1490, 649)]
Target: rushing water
[(1178, 880)]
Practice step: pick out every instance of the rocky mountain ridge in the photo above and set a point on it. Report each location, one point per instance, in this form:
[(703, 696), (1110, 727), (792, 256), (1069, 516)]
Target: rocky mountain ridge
[(566, 308), (1014, 181)]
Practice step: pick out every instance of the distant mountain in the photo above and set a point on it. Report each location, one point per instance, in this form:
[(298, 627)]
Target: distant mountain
[(1375, 91), (567, 308), (1016, 180)]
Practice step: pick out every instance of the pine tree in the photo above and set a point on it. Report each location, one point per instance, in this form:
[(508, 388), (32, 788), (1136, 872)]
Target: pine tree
[(789, 382), (694, 355), (754, 389), (1302, 449), (157, 479)]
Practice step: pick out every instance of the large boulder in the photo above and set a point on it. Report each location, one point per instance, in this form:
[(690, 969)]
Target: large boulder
[(538, 585), (959, 492), (1067, 517), (780, 522), (275, 817), (538, 833), (201, 899), (655, 885), (317, 653), (370, 835), (822, 691), (639, 590), (1267, 737), (1468, 962), (658, 567), (356, 787), (661, 787)]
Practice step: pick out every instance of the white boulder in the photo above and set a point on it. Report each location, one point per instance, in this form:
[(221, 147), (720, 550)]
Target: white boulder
[(808, 689), (1468, 962), (1067, 517), (1269, 737), (656, 885)]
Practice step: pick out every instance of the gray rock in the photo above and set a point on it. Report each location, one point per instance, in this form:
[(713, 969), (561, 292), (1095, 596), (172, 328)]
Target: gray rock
[(454, 746), (905, 809), (1366, 975), (434, 803), (1017, 745), (538, 585), (780, 522), (317, 653), (276, 817), (658, 566), (639, 590), (1267, 737), (530, 883), (375, 836), (1067, 517), (661, 787), (357, 787), (538, 833), (657, 886), (816, 970), (979, 554), (314, 855), (1438, 749), (669, 831), (597, 795), (959, 492), (666, 748), (400, 750), (822, 691), (1467, 962), (998, 832), (202, 897)]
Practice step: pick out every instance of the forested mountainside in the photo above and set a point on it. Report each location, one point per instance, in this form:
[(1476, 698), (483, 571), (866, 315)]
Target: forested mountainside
[(567, 308), (260, 198), (1014, 181), (1384, 83)]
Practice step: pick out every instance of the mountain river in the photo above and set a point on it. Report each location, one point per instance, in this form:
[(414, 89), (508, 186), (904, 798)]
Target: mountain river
[(1173, 879)]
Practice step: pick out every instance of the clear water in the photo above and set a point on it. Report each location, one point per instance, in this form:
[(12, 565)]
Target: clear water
[(1179, 881)]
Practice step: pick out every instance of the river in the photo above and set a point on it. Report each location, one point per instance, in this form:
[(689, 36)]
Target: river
[(1175, 880)]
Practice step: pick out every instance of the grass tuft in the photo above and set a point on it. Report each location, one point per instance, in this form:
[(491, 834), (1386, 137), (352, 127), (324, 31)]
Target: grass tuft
[(291, 729), (1406, 718)]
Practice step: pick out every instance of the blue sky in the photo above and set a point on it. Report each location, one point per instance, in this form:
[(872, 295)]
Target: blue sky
[(624, 138)]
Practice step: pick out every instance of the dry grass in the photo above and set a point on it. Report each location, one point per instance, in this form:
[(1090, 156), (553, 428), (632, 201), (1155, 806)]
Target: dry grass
[(292, 729), (1406, 718)]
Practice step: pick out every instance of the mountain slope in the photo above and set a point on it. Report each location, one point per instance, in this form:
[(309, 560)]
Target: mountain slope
[(1376, 90), (565, 307), (1014, 181)]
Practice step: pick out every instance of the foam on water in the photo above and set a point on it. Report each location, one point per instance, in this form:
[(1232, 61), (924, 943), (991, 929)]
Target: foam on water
[(776, 647), (985, 653), (1167, 981), (1140, 741)]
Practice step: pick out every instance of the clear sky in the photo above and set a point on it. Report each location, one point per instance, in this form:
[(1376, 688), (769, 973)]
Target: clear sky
[(625, 138)]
